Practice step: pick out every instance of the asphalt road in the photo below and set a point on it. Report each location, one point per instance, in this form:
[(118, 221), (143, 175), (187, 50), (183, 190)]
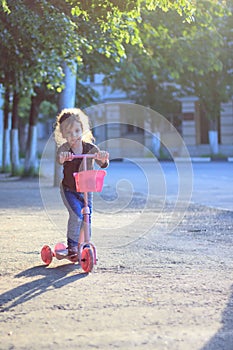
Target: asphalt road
[(209, 183)]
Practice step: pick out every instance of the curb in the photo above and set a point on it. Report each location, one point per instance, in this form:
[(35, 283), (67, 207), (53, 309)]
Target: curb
[(193, 159), (176, 159)]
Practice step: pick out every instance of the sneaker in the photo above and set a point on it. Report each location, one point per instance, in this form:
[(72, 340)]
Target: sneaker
[(73, 253)]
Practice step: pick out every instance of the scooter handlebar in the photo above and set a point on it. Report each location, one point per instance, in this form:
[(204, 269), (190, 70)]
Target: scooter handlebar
[(93, 156)]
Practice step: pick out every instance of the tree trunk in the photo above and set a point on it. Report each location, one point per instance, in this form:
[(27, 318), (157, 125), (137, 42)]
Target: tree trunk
[(6, 167), (1, 129), (213, 137), (23, 134), (213, 141), (15, 168), (67, 96), (31, 160), (66, 100), (15, 162), (156, 144), (6, 159)]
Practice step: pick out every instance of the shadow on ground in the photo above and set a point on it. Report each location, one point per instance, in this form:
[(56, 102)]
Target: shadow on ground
[(51, 278), (223, 339)]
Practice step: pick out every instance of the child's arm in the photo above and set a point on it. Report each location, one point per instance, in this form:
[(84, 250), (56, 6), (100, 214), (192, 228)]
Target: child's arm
[(103, 158), (63, 154), (64, 157)]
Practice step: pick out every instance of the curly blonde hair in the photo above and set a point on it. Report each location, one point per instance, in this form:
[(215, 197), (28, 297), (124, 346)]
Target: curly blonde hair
[(65, 120)]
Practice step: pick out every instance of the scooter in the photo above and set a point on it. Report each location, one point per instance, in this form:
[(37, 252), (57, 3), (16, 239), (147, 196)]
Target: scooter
[(85, 181)]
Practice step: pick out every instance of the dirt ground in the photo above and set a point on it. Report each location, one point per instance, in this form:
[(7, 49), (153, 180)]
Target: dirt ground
[(151, 289)]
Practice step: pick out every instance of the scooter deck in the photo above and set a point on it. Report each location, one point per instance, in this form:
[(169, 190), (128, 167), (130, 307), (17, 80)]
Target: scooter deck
[(63, 254)]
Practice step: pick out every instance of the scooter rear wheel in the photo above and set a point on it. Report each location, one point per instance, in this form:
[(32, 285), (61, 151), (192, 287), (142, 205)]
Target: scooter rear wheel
[(87, 259), (46, 254)]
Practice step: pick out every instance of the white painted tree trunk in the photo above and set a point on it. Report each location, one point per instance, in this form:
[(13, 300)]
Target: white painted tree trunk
[(66, 100), (15, 163), (156, 144), (1, 128), (31, 161), (1, 142), (67, 96), (213, 140), (6, 150)]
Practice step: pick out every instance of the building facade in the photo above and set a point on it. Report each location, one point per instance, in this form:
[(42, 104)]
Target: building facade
[(195, 130), (113, 122)]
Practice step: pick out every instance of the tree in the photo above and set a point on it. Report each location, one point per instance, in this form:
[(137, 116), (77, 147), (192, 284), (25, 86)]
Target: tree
[(14, 134), (66, 100), (193, 56), (6, 131), (29, 59), (207, 70), (76, 31)]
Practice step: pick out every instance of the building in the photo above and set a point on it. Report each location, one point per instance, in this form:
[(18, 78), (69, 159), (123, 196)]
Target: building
[(113, 123), (195, 128)]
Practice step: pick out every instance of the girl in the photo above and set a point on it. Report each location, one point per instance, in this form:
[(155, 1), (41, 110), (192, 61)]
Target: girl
[(73, 136)]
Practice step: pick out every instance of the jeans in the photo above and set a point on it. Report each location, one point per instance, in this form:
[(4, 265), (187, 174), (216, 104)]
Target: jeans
[(74, 202)]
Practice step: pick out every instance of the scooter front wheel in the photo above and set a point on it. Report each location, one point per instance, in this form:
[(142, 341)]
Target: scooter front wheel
[(87, 259), (46, 254)]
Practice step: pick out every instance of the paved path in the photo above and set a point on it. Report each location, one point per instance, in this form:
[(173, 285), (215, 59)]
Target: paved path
[(153, 290)]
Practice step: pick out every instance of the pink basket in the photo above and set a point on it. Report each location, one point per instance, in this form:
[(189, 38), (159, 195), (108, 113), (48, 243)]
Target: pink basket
[(89, 180)]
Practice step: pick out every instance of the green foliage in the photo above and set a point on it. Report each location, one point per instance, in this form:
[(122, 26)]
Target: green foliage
[(16, 171), (192, 58), (37, 35), (31, 172), (28, 56), (4, 6), (205, 56), (153, 41), (48, 109)]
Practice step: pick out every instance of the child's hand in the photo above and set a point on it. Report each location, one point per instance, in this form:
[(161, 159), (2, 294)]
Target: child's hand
[(64, 157), (103, 156)]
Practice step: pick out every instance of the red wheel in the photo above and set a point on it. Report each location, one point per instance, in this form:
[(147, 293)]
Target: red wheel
[(87, 259), (59, 246), (46, 254)]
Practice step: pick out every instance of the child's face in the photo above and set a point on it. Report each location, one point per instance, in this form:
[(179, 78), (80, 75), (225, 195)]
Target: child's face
[(73, 134)]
